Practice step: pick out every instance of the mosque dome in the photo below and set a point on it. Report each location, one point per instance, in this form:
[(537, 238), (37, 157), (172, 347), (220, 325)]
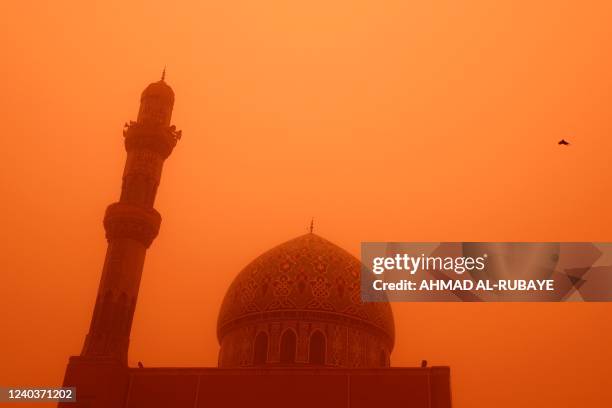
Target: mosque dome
[(299, 304)]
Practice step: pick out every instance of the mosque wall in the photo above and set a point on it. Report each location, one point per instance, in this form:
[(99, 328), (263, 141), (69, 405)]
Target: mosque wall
[(299, 388)]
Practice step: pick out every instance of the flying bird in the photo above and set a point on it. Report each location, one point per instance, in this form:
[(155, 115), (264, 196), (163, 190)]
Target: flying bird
[(564, 142)]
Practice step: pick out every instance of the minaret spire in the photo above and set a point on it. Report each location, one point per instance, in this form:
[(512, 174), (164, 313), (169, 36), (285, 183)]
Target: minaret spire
[(131, 224), (311, 225), (101, 372), (163, 74)]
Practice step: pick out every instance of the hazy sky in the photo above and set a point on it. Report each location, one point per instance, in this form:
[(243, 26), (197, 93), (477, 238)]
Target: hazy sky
[(385, 120)]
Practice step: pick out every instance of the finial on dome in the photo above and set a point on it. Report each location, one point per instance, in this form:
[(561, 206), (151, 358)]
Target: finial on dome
[(311, 225), (163, 73)]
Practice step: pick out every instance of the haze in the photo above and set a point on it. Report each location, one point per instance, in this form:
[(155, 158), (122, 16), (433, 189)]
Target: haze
[(394, 120)]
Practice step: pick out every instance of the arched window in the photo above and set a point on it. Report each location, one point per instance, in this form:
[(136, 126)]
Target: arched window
[(260, 353), (316, 354), (287, 347)]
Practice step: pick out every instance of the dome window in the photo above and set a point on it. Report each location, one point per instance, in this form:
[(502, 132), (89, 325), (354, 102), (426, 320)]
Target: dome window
[(316, 354), (260, 352), (287, 347)]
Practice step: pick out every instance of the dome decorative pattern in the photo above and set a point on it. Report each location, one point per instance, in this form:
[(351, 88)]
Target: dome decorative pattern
[(305, 282)]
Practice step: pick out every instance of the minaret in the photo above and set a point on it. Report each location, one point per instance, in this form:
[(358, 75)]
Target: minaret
[(132, 223)]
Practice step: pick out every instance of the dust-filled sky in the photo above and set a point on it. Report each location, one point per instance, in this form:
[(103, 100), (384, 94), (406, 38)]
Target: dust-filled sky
[(385, 120)]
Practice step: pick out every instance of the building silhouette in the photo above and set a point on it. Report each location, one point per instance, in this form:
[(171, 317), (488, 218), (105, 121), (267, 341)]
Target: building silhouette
[(292, 328)]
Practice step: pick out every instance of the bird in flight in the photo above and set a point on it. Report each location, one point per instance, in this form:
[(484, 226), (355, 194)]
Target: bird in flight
[(564, 142)]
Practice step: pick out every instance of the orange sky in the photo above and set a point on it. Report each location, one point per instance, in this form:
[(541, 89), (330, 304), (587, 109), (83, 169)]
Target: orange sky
[(394, 120)]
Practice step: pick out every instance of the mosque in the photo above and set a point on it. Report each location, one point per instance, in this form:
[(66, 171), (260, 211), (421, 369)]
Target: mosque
[(292, 328)]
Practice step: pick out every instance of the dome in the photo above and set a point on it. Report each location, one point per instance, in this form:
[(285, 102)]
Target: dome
[(156, 103), (307, 289), (159, 89)]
